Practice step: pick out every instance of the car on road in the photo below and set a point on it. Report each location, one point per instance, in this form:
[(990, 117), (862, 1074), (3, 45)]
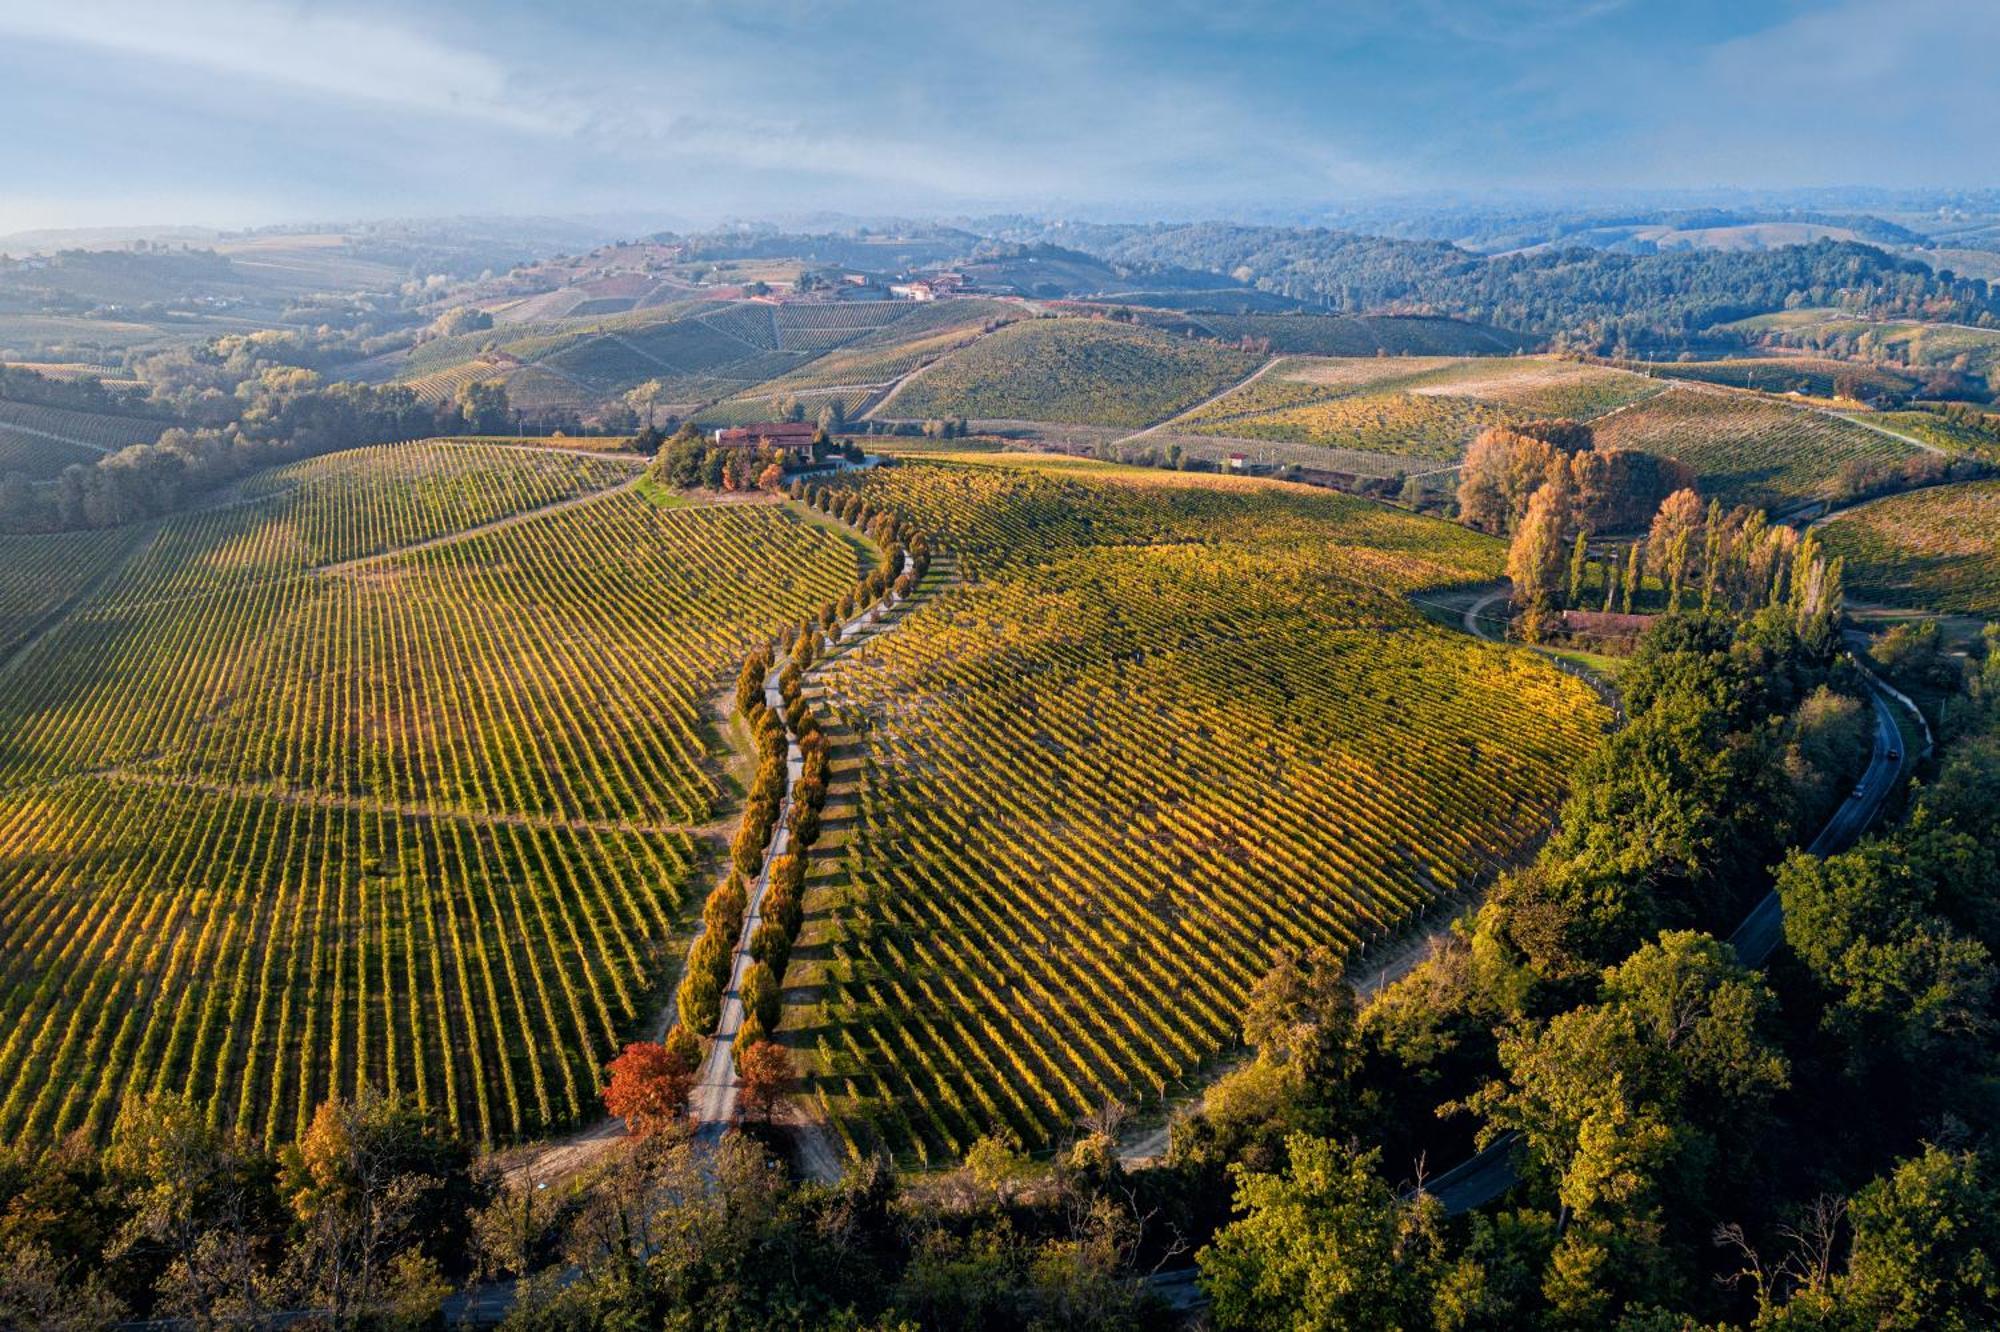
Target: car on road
[(1861, 791), (1895, 757)]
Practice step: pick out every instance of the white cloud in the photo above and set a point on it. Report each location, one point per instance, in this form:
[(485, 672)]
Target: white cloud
[(343, 56)]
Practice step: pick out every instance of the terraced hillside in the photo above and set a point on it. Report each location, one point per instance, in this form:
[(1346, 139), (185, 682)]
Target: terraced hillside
[(1936, 550), (1079, 371), (388, 774), (1160, 726)]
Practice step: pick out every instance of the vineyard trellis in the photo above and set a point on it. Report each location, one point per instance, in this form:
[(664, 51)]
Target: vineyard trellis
[(1935, 549), (1162, 728), (270, 832)]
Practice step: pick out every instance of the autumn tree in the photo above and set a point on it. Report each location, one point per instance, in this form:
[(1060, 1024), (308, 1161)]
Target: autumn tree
[(1579, 564), (650, 1086), (1534, 559), (768, 1076), (378, 1196), (1670, 544), (201, 1200), (760, 994)]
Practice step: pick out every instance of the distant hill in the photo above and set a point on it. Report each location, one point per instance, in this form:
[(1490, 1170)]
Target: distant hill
[(1571, 290), (1079, 371)]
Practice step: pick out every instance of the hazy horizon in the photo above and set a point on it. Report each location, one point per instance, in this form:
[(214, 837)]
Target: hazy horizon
[(194, 112)]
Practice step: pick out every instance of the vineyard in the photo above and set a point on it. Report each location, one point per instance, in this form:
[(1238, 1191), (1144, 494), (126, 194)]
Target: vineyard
[(41, 441), (1749, 449), (388, 774), (1936, 549), (1083, 371), (1900, 342), (1363, 335), (39, 575), (442, 386), (1938, 431), (699, 352), (1426, 408), (1814, 376), (1158, 728)]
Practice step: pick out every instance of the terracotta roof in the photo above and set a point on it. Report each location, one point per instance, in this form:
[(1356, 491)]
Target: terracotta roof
[(775, 431)]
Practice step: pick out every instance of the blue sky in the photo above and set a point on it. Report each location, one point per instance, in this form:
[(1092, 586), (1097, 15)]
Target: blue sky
[(232, 112)]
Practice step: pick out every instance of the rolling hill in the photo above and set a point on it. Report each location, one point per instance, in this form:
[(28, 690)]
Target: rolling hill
[(1081, 371)]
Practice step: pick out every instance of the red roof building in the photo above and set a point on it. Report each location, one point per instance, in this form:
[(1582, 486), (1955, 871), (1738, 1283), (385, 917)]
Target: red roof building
[(794, 438)]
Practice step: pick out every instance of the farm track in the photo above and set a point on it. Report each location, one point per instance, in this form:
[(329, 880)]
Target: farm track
[(58, 439), (399, 808), (868, 409), (1782, 400), (1212, 398), (500, 524), (717, 1087)]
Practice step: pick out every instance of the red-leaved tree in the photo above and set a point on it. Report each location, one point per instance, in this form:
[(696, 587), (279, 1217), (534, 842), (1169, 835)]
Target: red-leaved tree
[(650, 1086)]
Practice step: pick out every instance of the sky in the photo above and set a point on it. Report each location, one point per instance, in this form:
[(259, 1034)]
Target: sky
[(241, 112)]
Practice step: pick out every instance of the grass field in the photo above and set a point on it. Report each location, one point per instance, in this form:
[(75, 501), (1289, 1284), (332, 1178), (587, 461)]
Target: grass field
[(1161, 726), (1933, 550), (275, 823), (1749, 449), (1082, 371)]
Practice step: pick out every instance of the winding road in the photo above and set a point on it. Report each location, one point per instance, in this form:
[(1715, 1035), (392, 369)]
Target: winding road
[(1490, 1173)]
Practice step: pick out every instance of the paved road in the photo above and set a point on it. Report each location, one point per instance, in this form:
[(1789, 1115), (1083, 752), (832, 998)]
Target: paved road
[(1484, 1177), (1764, 928)]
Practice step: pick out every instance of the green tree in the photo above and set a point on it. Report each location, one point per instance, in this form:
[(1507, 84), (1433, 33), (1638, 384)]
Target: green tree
[(482, 405), (1324, 1245), (1927, 1247)]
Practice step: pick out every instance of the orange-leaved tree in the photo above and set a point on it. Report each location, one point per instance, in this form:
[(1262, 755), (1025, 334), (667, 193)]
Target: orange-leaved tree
[(650, 1084), (768, 1077)]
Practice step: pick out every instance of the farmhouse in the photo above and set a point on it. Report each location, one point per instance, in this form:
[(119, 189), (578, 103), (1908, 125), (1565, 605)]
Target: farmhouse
[(794, 439)]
